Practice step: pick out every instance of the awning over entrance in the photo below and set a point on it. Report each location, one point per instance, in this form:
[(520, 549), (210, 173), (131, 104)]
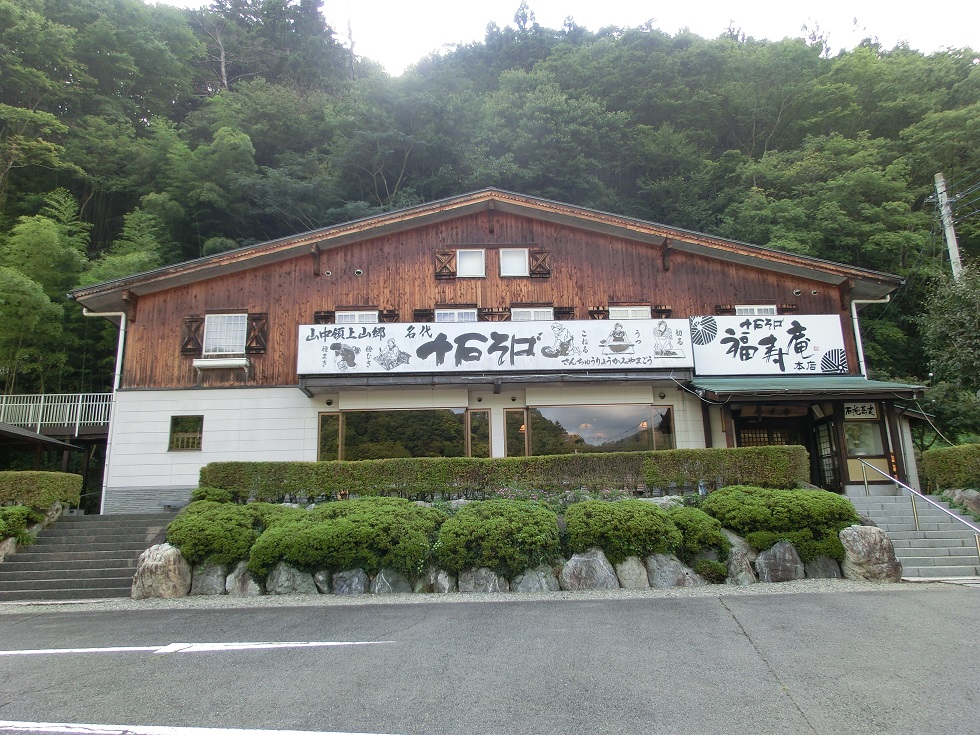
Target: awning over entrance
[(791, 388)]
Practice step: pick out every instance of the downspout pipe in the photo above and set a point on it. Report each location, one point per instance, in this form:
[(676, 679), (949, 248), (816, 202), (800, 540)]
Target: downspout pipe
[(862, 368), (116, 380), (121, 343)]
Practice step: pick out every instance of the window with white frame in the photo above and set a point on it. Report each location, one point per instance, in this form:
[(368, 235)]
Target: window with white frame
[(455, 315), (532, 314), (224, 334), (629, 312), (369, 316), (470, 264), (755, 310), (514, 262)]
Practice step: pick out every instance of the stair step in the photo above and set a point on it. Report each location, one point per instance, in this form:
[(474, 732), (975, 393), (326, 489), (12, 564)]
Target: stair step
[(8, 576), (938, 552), (950, 534), (937, 571), (14, 565), (73, 594), (934, 543), (125, 580)]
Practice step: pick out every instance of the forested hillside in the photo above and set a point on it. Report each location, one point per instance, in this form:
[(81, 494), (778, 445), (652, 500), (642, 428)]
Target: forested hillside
[(133, 135)]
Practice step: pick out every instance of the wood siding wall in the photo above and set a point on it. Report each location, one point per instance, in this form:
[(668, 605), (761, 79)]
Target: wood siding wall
[(587, 270)]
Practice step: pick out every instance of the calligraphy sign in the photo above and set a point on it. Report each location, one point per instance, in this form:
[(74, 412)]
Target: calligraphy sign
[(493, 346), (768, 345)]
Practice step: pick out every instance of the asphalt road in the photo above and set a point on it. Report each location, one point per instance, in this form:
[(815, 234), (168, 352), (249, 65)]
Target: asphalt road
[(872, 662)]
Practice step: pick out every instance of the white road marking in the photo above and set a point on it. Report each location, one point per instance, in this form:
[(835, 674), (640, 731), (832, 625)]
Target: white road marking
[(192, 647), (80, 729)]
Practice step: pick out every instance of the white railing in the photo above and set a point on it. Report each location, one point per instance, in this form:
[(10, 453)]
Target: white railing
[(63, 410)]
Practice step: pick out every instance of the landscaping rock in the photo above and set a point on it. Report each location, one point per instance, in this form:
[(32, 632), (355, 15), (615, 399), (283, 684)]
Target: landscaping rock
[(208, 579), (632, 574), (482, 580), (539, 579), (242, 583), (740, 572), (781, 563), (7, 546), (666, 501), (436, 580), (161, 571), (823, 567), (350, 582), (869, 555), (969, 499), (388, 582), (322, 581), (740, 544), (666, 570), (590, 570), (287, 580)]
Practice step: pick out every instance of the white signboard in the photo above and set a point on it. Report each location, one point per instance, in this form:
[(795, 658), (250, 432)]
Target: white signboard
[(326, 349), (768, 345)]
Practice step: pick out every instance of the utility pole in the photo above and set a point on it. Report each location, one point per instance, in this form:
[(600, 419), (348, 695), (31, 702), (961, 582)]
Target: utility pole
[(946, 212)]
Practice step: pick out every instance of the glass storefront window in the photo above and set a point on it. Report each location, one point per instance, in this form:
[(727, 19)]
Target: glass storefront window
[(622, 428), (479, 433), (329, 437), (863, 439), (516, 428), (437, 432)]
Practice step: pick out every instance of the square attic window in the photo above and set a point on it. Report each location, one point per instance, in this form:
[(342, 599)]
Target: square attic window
[(470, 264)]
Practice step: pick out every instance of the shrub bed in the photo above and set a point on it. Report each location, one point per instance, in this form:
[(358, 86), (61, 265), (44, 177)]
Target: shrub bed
[(953, 467), (621, 529), (14, 521), (39, 490), (809, 519), (700, 533), (508, 536), (368, 533)]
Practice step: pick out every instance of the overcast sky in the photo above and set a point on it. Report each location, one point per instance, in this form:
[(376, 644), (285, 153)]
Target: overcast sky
[(397, 33)]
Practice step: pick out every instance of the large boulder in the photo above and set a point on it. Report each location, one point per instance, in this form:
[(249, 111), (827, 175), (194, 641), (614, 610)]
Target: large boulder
[(781, 563), (969, 499), (436, 580), (322, 581), (539, 579), (589, 570), (632, 574), (740, 571), (388, 582), (162, 571), (869, 555), (823, 567), (666, 570), (350, 582), (481, 579), (208, 579), (287, 580), (242, 583)]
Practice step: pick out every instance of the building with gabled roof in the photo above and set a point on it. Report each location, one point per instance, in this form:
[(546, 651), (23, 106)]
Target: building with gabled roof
[(491, 324)]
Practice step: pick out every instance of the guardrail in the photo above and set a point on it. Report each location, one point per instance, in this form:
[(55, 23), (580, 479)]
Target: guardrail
[(913, 494), (63, 410)]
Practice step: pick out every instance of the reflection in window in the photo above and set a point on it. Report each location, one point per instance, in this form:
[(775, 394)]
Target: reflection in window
[(516, 429), (479, 438), (329, 448), (387, 434), (624, 428), (863, 439), (186, 432)]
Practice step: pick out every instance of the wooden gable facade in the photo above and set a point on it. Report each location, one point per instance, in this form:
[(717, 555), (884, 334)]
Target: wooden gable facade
[(404, 267)]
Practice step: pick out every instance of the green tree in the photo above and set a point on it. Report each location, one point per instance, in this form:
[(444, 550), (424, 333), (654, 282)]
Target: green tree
[(30, 331), (951, 329)]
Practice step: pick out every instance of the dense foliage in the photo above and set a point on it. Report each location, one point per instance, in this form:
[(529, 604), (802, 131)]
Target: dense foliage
[(953, 467), (809, 519), (621, 529), (39, 490), (700, 534), (135, 135), (508, 536), (776, 466), (14, 522)]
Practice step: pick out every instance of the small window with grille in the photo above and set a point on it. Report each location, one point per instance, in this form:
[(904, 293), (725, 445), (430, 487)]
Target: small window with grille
[(755, 310), (186, 433), (369, 316), (224, 334), (455, 315), (629, 312), (532, 314)]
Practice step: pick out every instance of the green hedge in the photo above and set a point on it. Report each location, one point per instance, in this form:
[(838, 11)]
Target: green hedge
[(784, 466), (220, 532), (368, 534), (810, 519), (39, 490), (508, 536), (621, 529), (553, 475), (953, 467), (700, 532)]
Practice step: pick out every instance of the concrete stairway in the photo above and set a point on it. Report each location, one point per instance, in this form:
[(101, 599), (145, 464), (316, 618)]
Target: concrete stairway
[(942, 548), (81, 557)]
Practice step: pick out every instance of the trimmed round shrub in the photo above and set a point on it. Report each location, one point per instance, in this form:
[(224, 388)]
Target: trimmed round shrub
[(713, 571), (508, 536), (809, 519), (214, 494), (699, 532), (367, 533), (215, 532), (621, 528)]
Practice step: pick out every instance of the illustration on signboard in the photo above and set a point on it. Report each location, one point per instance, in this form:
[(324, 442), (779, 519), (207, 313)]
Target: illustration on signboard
[(617, 342), (665, 342), (346, 355), (391, 356), (564, 342)]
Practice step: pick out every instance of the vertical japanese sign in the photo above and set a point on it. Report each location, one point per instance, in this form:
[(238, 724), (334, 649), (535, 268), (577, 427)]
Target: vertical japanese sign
[(768, 345), (493, 346)]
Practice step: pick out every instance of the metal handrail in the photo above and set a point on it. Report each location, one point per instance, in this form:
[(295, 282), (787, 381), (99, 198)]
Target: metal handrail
[(913, 493)]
